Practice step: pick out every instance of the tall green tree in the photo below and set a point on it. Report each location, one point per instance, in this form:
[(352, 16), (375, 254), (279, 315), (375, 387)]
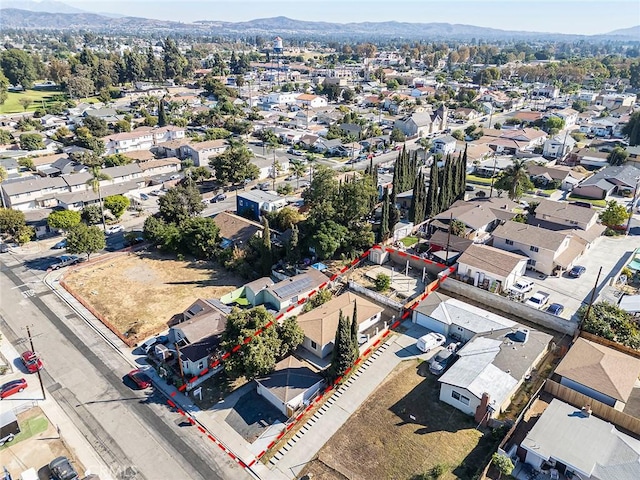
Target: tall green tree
[(384, 220), (97, 175), (18, 66), (63, 219), (618, 156), (615, 214), (354, 331), (343, 354), (266, 258), (433, 208), (85, 239), (417, 210), (290, 335), (162, 114), (117, 204), (514, 179), (200, 237), (632, 129), (233, 166), (4, 88), (179, 204), (11, 221)]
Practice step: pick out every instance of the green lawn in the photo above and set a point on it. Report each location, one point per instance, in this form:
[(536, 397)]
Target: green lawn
[(408, 241), (28, 429), (479, 180), (595, 203), (37, 97)]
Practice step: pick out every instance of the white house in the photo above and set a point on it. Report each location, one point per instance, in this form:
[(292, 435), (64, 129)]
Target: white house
[(200, 152), (444, 145), (281, 98), (291, 386), (311, 101), (127, 142), (319, 325), (491, 268), (558, 146)]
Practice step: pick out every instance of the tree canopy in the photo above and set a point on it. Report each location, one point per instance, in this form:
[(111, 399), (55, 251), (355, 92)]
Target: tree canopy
[(85, 239), (514, 179), (64, 219)]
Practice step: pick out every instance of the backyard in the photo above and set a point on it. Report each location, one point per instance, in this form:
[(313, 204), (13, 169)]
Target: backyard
[(403, 431), (139, 293)]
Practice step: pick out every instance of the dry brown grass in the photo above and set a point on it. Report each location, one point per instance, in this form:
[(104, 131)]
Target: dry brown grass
[(139, 293), (382, 441)]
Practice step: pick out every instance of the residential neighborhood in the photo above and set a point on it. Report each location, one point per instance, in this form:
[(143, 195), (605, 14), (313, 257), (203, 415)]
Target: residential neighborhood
[(286, 249)]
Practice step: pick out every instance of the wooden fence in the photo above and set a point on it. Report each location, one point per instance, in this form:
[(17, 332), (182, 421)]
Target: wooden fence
[(598, 409)]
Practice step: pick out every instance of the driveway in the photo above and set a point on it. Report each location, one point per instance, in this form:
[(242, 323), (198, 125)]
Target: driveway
[(610, 253)]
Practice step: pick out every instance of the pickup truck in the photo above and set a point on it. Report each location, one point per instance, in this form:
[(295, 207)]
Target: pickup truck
[(538, 299), (65, 261)]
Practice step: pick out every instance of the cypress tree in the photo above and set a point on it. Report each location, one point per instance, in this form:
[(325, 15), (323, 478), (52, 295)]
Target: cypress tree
[(418, 201), (343, 354), (267, 257), (384, 220), (394, 213), (432, 209), (162, 115), (354, 331), (443, 194)]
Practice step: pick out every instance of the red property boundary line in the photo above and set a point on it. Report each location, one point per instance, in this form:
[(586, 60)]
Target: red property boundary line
[(432, 287)]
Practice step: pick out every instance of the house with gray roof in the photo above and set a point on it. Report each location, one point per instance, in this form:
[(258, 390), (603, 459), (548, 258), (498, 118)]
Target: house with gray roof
[(29, 192), (491, 268), (286, 292), (290, 386), (478, 218), (620, 179), (579, 445)]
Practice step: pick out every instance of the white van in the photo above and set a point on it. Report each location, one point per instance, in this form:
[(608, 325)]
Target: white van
[(430, 341)]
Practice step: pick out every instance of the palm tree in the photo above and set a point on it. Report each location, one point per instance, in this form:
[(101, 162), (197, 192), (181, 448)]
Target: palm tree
[(515, 179), (94, 182), (298, 169)]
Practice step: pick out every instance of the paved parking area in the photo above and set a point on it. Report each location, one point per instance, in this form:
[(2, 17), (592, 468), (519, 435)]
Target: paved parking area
[(252, 415), (610, 253)]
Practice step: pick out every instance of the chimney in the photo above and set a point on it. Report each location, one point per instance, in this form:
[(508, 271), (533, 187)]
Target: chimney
[(482, 411), (586, 411)]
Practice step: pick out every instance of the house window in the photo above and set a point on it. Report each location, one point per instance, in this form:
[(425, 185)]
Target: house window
[(200, 365), (532, 263), (460, 398), (533, 249), (509, 242), (314, 345)]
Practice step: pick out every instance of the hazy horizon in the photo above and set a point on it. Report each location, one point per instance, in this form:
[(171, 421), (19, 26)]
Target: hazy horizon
[(586, 17)]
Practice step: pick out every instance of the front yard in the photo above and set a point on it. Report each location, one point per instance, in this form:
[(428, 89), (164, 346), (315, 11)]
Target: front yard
[(402, 431), (139, 293)]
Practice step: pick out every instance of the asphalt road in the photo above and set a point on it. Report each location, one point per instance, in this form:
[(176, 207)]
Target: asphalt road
[(134, 432)]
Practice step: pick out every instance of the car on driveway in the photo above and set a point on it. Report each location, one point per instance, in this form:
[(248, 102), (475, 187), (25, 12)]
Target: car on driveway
[(140, 378), (114, 229), (4, 248), (12, 387), (219, 198), (144, 196), (577, 271), (430, 341), (441, 361), (31, 361), (538, 299), (555, 309), (61, 244), (65, 261), (149, 344), (61, 469), (522, 286)]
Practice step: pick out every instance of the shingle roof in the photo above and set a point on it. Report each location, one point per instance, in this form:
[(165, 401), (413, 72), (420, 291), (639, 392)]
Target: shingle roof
[(320, 324), (236, 228), (530, 235), (289, 379), (601, 368), (565, 211), (206, 322), (491, 259), (32, 184)]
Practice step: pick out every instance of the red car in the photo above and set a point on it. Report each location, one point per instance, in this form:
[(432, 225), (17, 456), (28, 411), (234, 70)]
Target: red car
[(12, 387), (140, 378), (31, 361)]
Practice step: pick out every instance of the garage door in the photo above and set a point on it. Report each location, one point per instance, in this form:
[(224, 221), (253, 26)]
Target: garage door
[(430, 323)]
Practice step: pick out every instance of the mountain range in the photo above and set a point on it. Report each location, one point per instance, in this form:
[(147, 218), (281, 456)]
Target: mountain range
[(33, 15)]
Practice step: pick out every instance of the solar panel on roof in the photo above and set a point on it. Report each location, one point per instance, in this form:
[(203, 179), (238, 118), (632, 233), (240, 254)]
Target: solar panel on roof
[(292, 288)]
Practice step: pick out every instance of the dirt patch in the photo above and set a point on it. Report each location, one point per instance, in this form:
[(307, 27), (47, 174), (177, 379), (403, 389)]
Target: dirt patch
[(403, 430), (37, 450), (139, 293)]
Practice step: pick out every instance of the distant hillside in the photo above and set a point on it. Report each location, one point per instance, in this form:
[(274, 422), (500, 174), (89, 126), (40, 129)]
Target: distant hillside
[(286, 27), (631, 32), (50, 6)]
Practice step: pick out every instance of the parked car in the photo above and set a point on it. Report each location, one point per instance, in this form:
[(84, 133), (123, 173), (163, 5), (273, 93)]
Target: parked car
[(522, 286), (430, 341), (469, 188), (140, 378), (538, 299), (12, 387), (31, 361), (149, 344), (264, 185), (441, 361), (65, 261), (4, 248), (174, 177), (219, 198), (577, 271), (114, 229), (9, 427), (61, 469), (61, 244), (555, 309), (144, 196)]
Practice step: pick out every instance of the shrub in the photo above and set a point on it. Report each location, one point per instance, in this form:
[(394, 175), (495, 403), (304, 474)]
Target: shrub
[(382, 282)]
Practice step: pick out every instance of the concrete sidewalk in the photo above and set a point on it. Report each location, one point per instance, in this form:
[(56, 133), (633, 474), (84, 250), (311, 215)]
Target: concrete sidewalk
[(68, 432)]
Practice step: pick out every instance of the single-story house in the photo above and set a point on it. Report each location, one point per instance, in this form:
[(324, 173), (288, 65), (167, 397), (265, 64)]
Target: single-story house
[(319, 325), (490, 369), (290, 386), (602, 373), (619, 179), (235, 231), (491, 268), (286, 292), (580, 445)]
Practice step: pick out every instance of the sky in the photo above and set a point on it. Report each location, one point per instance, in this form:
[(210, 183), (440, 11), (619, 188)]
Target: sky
[(558, 16)]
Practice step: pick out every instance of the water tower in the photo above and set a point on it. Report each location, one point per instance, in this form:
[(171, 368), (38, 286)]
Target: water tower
[(277, 51)]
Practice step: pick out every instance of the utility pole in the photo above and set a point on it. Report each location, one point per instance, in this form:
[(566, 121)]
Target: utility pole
[(633, 204), (179, 361), (44, 395), (493, 175), (593, 294)]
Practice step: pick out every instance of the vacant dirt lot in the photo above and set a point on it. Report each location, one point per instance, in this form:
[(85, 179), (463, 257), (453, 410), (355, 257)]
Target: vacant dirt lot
[(381, 440), (139, 293)]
